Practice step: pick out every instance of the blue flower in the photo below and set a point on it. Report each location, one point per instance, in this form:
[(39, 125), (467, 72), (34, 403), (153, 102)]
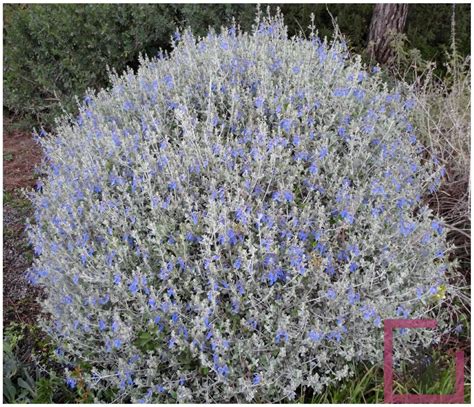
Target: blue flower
[(240, 216), (406, 228), (353, 297), (437, 227), (419, 292), (117, 343), (285, 124), (331, 294), (127, 105), (402, 203), (276, 196), (313, 169), (181, 263), (259, 102), (377, 189), (359, 94), (168, 79), (256, 379), (232, 237), (152, 303), (224, 45), (335, 335), (315, 336), (160, 389), (235, 306), (296, 69), (272, 277), (377, 211), (302, 235), (110, 258), (409, 104), (329, 268), (281, 335), (240, 288), (368, 312), (338, 92), (223, 370), (288, 196), (354, 249), (401, 311), (102, 325), (353, 267), (71, 383), (133, 287), (368, 129), (347, 216), (342, 255)]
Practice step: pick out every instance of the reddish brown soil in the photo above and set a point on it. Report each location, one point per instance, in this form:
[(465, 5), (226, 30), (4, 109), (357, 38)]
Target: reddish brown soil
[(20, 156)]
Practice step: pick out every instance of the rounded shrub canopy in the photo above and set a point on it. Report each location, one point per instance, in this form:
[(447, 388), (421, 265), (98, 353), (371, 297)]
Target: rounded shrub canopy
[(234, 222)]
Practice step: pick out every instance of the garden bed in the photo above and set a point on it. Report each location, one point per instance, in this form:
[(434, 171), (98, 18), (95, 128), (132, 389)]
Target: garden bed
[(20, 155)]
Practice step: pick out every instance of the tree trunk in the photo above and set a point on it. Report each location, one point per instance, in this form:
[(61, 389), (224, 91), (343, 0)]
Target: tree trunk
[(387, 19)]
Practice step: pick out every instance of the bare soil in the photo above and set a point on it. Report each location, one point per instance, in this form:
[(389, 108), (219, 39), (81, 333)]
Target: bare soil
[(20, 156)]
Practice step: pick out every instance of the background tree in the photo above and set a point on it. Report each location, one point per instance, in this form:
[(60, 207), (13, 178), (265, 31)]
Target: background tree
[(387, 19), (53, 52)]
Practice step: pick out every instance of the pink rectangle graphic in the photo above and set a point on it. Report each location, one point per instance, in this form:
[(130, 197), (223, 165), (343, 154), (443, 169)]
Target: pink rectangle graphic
[(389, 397)]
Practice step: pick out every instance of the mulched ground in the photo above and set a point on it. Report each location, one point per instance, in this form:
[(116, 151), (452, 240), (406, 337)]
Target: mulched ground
[(20, 156)]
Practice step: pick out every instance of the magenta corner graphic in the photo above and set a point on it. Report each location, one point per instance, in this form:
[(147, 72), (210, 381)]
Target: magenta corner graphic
[(389, 397)]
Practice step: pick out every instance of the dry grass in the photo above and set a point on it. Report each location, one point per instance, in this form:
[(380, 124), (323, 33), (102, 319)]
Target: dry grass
[(442, 118)]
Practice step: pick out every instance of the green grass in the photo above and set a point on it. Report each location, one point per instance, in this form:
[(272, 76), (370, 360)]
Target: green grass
[(8, 157), (20, 208), (25, 348), (366, 386), (16, 200)]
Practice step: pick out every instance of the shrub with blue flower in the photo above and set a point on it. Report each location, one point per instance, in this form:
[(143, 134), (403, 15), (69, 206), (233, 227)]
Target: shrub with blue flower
[(221, 226)]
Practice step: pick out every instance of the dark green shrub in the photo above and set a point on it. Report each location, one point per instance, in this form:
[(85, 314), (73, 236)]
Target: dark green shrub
[(429, 30), (53, 52)]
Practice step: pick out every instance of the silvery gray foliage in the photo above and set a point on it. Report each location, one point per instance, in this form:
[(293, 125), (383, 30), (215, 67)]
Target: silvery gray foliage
[(235, 221)]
